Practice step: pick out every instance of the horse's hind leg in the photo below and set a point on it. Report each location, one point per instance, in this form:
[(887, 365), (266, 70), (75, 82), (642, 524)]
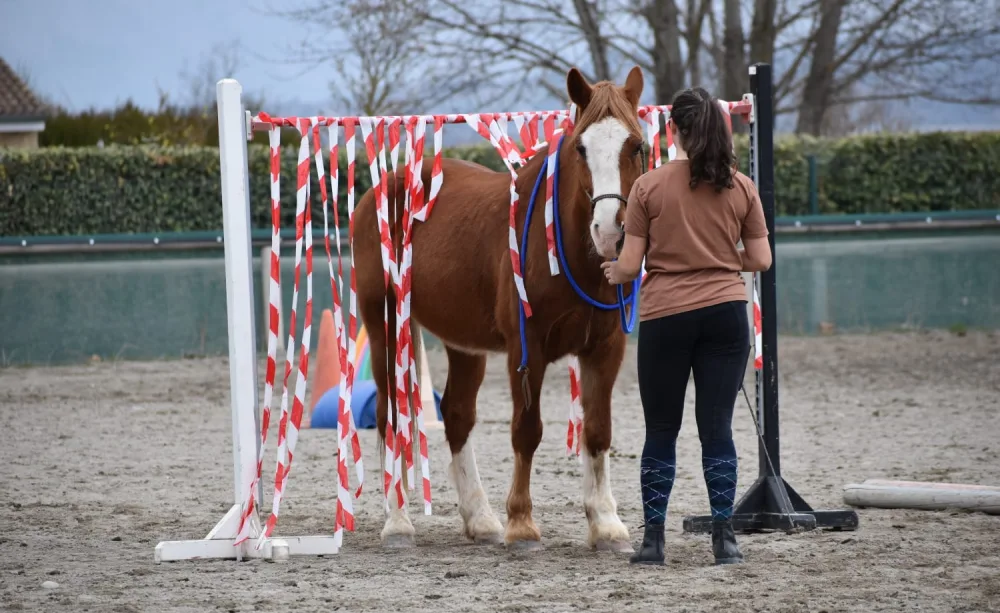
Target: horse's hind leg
[(398, 530), (598, 371), (458, 408)]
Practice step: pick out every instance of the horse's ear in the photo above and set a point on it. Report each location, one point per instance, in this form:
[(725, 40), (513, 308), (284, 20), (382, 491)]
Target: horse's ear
[(578, 88), (633, 85)]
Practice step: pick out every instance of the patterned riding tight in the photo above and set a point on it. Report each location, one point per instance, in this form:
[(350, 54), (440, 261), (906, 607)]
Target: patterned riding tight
[(714, 343)]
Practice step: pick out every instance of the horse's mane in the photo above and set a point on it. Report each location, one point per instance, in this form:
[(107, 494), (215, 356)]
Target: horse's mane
[(607, 101)]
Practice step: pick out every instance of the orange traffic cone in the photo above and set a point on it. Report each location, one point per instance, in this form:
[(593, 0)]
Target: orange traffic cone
[(327, 360)]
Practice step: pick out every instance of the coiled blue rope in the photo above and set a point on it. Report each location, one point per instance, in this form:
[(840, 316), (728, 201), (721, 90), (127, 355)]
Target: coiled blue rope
[(627, 320)]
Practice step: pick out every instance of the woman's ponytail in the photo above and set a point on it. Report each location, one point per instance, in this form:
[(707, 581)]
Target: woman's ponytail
[(704, 134)]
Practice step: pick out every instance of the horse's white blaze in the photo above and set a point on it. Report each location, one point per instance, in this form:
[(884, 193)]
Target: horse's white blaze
[(480, 522), (604, 141), (602, 510)]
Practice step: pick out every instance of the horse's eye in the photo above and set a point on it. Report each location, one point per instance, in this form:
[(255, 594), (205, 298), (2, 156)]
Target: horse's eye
[(638, 150), (582, 151)]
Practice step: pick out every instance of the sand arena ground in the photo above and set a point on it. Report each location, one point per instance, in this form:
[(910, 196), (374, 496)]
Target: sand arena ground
[(102, 461)]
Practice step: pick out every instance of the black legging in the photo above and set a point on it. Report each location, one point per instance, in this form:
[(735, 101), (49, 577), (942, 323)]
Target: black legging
[(714, 342)]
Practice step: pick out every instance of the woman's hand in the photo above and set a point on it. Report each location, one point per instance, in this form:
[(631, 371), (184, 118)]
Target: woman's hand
[(615, 274), (629, 262)]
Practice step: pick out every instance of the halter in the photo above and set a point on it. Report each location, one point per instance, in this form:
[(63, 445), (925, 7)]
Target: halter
[(594, 201), (627, 321)]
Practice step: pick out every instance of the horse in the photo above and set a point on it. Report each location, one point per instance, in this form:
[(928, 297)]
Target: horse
[(463, 292)]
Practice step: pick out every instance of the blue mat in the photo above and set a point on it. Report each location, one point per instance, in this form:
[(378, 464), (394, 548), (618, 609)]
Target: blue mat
[(362, 406)]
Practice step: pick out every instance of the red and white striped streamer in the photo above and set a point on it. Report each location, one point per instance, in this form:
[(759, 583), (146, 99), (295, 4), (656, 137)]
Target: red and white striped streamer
[(671, 147), (653, 129), (552, 138), (375, 147), (346, 418), (550, 169), (274, 301), (415, 193), (288, 426), (404, 447), (344, 518), (477, 123), (527, 128), (437, 175), (758, 354), (574, 432)]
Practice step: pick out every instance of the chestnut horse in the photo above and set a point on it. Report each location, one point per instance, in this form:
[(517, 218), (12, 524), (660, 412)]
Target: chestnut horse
[(463, 292)]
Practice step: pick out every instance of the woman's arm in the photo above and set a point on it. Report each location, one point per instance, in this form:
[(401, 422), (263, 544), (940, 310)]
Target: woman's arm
[(756, 254)]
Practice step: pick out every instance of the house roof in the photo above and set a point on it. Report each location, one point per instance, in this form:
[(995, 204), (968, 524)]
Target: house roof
[(17, 102)]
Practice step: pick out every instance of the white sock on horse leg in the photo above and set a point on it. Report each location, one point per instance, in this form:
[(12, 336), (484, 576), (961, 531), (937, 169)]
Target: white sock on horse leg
[(480, 522), (602, 510)]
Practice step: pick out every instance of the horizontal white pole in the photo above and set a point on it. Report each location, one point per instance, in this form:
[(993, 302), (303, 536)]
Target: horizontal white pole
[(923, 496), (223, 549)]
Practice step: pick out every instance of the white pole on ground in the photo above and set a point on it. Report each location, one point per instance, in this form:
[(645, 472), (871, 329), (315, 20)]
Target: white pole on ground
[(431, 420), (886, 494), (220, 542)]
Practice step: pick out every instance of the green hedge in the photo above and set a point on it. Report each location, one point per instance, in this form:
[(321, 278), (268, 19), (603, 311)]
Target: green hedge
[(888, 173), (119, 189)]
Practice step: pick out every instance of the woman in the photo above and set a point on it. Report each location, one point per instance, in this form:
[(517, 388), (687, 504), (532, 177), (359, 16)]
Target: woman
[(686, 218)]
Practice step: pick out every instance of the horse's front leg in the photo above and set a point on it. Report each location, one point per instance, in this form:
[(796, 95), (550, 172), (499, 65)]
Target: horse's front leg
[(598, 371), (525, 434)]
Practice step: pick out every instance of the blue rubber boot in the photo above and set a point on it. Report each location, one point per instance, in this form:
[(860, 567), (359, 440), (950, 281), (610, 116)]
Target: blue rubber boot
[(718, 459), (656, 477)]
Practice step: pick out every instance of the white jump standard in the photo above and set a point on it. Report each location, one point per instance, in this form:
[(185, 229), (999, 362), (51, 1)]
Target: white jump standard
[(234, 131)]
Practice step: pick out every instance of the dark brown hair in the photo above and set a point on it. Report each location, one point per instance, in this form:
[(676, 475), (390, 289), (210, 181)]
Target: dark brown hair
[(703, 133)]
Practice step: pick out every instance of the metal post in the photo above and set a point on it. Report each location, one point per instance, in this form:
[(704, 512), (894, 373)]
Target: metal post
[(770, 503), (763, 129)]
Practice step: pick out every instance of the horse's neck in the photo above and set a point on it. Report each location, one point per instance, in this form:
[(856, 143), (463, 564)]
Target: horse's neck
[(574, 218)]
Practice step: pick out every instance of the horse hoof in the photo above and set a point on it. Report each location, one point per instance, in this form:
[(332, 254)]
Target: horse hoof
[(614, 546), (399, 541), (525, 545), (488, 539)]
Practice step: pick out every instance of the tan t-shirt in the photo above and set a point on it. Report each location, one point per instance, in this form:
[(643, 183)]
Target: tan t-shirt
[(691, 256)]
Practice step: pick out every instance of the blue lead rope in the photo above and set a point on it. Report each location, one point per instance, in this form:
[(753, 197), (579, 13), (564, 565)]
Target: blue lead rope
[(627, 319)]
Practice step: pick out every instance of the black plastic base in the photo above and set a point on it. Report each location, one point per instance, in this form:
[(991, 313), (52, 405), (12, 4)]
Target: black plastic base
[(771, 505)]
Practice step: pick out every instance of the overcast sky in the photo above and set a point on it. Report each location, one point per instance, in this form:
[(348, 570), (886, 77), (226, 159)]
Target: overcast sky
[(98, 53)]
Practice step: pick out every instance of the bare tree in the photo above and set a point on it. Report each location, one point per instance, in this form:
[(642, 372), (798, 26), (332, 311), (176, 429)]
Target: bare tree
[(694, 25), (526, 41), (764, 31), (827, 54), (734, 48), (863, 50), (865, 117), (221, 62), (818, 90), (542, 39), (382, 63)]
